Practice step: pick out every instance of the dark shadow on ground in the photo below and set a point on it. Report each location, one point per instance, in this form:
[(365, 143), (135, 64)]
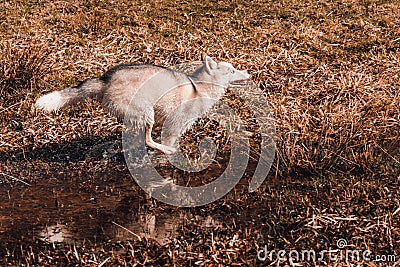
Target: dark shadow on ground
[(97, 147)]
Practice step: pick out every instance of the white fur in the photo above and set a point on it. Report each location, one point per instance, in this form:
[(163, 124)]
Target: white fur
[(50, 102)]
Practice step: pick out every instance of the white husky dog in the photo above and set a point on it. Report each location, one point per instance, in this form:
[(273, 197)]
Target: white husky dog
[(146, 94)]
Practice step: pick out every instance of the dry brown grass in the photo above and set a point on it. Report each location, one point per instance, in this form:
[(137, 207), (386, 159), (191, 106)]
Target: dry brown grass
[(330, 71)]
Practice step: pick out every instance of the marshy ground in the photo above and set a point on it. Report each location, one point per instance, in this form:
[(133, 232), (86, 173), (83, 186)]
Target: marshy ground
[(330, 71)]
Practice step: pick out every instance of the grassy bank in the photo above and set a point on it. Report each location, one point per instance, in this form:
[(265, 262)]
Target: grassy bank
[(330, 71)]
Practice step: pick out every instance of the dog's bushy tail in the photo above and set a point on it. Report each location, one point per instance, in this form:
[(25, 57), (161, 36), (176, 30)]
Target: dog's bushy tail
[(58, 99)]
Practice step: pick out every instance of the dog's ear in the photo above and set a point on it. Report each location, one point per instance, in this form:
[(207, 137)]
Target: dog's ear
[(209, 63)]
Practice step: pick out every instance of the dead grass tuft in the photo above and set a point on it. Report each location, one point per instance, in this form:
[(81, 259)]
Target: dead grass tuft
[(23, 67)]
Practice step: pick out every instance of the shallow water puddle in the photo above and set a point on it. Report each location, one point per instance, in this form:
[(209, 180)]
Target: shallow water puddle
[(71, 211)]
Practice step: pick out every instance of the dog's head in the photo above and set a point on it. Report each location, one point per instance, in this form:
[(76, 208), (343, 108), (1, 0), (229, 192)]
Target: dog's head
[(224, 73)]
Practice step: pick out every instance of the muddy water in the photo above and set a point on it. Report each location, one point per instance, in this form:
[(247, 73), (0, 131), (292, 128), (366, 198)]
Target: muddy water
[(82, 192), (73, 204)]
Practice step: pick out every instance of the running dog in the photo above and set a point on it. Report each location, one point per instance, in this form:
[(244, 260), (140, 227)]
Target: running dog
[(145, 94)]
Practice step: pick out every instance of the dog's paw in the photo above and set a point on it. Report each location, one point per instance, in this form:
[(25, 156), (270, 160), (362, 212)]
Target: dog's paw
[(169, 150)]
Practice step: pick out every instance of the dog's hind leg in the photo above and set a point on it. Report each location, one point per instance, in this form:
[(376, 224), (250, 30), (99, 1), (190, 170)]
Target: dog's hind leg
[(149, 140)]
